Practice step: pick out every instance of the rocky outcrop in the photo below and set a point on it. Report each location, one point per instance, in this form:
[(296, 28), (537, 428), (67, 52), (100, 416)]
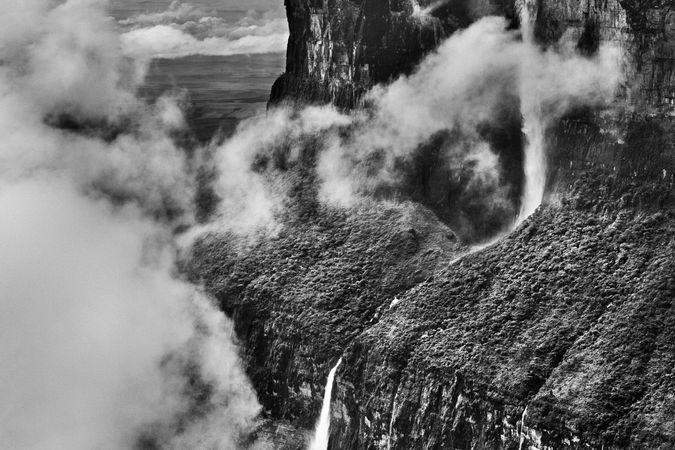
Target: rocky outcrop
[(338, 49), (559, 335)]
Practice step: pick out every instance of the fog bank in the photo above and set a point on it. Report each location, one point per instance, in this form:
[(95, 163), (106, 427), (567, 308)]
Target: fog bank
[(103, 344)]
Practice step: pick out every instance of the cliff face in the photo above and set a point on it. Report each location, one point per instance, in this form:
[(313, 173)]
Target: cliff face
[(635, 141), (338, 49), (644, 29), (560, 335)]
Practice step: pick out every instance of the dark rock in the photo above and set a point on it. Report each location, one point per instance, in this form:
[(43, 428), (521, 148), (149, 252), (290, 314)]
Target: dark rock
[(338, 49)]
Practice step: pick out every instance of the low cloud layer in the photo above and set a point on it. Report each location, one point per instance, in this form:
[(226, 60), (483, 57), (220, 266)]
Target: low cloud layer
[(98, 338), (103, 345), (185, 29)]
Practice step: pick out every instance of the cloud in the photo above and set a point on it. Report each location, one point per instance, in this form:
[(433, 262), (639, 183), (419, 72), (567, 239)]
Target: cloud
[(166, 41), (448, 102), (90, 315), (103, 345), (251, 187), (185, 29), (461, 85), (459, 88)]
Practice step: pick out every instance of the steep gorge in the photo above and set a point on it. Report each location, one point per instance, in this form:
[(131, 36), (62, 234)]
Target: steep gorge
[(560, 335)]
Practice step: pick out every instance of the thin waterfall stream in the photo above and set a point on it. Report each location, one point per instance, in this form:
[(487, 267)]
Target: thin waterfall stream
[(322, 431)]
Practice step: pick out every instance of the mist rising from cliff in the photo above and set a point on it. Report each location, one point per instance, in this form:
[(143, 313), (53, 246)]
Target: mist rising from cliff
[(456, 93), (459, 88), (103, 345), (252, 191)]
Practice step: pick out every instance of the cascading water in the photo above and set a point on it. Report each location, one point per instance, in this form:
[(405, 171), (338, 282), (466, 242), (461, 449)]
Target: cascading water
[(391, 424), (522, 429), (320, 439), (533, 124), (528, 16)]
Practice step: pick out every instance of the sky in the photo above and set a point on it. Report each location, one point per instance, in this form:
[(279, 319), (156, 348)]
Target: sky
[(173, 29)]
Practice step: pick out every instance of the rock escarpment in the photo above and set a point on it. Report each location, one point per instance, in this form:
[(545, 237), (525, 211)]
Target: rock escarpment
[(560, 335), (634, 141), (644, 29), (338, 49)]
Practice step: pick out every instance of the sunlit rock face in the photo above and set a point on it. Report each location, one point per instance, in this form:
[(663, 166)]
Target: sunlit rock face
[(560, 336)]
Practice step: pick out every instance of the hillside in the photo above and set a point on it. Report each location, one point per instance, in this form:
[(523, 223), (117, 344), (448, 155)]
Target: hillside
[(561, 334)]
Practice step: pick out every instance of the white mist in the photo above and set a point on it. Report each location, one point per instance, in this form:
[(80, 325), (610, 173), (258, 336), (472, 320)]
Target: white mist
[(321, 433), (522, 429)]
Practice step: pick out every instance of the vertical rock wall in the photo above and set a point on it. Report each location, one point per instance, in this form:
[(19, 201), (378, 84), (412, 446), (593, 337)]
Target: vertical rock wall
[(338, 49)]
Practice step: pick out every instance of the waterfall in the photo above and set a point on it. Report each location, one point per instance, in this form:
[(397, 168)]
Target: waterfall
[(533, 123), (321, 433), (535, 158), (522, 429), (528, 16), (391, 422)]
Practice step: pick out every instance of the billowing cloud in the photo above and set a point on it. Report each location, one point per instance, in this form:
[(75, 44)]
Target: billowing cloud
[(185, 29), (166, 41), (455, 92), (103, 345)]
